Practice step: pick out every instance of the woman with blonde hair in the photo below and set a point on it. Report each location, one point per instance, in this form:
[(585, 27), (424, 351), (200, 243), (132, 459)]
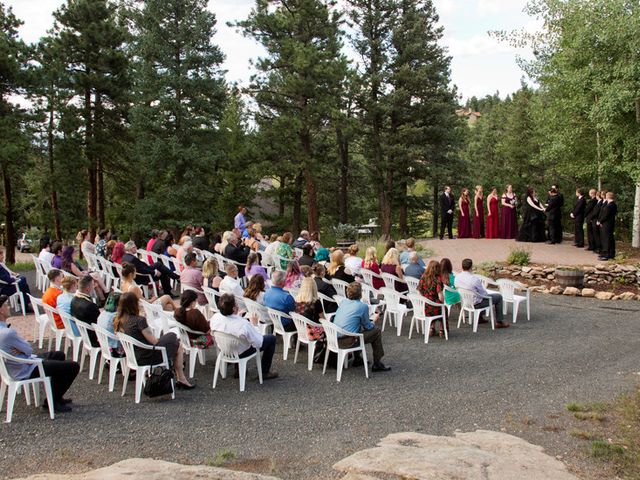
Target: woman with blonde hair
[(308, 305), (370, 262), (336, 268), (210, 274), (352, 262), (391, 265), (225, 241), (129, 285)]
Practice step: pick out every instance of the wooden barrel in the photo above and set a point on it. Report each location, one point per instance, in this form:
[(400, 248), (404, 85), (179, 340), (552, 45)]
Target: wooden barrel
[(569, 277)]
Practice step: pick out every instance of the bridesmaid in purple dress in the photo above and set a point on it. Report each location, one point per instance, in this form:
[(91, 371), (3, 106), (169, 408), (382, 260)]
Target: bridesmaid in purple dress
[(493, 212), (509, 224), (464, 217), (478, 218)]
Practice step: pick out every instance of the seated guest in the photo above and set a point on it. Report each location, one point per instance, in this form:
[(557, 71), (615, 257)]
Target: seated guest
[(185, 248), (216, 243), (467, 280), (270, 249), (251, 241), (306, 271), (257, 228), (391, 265), (293, 277), (83, 308), (101, 246), (370, 262), (56, 261), (353, 316), (322, 255), (323, 287), (70, 265), (10, 281), (230, 283), (448, 279), (307, 256), (160, 245), (314, 239), (157, 271), (404, 256), (200, 240), (86, 245), (61, 372), (192, 277), (237, 252), (255, 289), (413, 268), (105, 320), (308, 305), (211, 279), (278, 299), (284, 250), (430, 287), (152, 240), (228, 321), (117, 252), (352, 262), (253, 267), (129, 322), (302, 240), (129, 285), (50, 297), (45, 255), (191, 317), (336, 268), (69, 287)]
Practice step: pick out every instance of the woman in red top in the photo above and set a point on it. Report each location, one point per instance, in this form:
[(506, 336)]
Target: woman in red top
[(370, 262), (478, 217), (493, 217), (430, 287), (464, 217)]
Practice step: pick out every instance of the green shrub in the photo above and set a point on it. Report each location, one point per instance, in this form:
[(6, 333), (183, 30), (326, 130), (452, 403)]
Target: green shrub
[(519, 256)]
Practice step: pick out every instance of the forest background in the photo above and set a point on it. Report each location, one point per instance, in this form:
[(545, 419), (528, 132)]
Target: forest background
[(129, 123)]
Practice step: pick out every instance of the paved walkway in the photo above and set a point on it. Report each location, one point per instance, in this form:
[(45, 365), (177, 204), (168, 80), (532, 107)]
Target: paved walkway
[(484, 250)]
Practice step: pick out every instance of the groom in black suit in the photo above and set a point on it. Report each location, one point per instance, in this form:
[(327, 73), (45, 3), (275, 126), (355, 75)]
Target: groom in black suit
[(447, 207), (607, 221), (554, 216), (577, 214)]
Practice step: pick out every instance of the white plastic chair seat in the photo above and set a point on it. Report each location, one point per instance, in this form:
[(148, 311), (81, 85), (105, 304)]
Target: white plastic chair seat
[(467, 298), (395, 311), (302, 323), (419, 303), (254, 307), (103, 338), (70, 335), (228, 346), (54, 332), (278, 329), (369, 275), (142, 371), (507, 290), (41, 320), (390, 280), (194, 352), (87, 347), (340, 286), (332, 331), (412, 284), (11, 386)]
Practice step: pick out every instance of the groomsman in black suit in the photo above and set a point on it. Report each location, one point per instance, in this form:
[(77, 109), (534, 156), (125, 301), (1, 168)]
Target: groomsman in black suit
[(589, 210), (554, 218), (578, 218), (597, 235), (607, 222), (447, 207)]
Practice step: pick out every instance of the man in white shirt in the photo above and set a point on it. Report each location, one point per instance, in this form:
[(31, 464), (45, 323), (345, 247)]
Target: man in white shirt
[(230, 283), (468, 281), (270, 251), (228, 321), (45, 255)]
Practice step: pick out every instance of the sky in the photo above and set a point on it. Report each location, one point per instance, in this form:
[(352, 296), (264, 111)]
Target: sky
[(480, 64)]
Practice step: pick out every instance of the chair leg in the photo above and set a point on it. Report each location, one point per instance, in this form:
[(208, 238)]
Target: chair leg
[(341, 358), (3, 391), (101, 369), (217, 370), (413, 320), (93, 356), (384, 319), (528, 309), (285, 346), (139, 383), (326, 359), (76, 346), (295, 357), (427, 329), (82, 356), (126, 379), (365, 361), (311, 346), (27, 394), (11, 399), (259, 366), (49, 394), (242, 366), (446, 328), (113, 371), (460, 317)]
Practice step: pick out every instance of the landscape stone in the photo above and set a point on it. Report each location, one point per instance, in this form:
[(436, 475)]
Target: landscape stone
[(479, 455), (556, 290), (573, 291), (588, 292), (627, 296), (604, 295)]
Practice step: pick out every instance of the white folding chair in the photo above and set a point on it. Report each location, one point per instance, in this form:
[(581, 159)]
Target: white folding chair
[(11, 385), (16, 300), (412, 284), (155, 317), (467, 306), (298, 252), (195, 353), (228, 346), (39, 272), (368, 276), (302, 323), (142, 371), (419, 304), (87, 347), (390, 280), (70, 334), (488, 283), (54, 331), (254, 307), (324, 301), (104, 337), (332, 331), (340, 286), (278, 329), (507, 290), (41, 320), (448, 289), (212, 300), (395, 311)]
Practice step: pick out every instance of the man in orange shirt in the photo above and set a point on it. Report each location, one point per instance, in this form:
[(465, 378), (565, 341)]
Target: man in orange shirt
[(50, 297)]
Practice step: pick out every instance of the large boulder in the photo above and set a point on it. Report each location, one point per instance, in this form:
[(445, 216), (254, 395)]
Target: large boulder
[(604, 295), (479, 455), (588, 292), (571, 291), (627, 296), (556, 290)]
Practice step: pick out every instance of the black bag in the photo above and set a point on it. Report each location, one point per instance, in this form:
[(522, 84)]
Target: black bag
[(159, 382)]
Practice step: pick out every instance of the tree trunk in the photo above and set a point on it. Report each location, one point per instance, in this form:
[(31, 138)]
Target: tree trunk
[(297, 205), (91, 168), (8, 215), (385, 191), (140, 190), (635, 233), (404, 228), (343, 152), (281, 196), (55, 209), (435, 209)]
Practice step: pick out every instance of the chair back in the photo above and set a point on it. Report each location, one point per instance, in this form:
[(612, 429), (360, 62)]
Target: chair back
[(212, 298), (254, 307), (103, 339), (92, 261), (389, 280), (154, 315), (49, 310), (339, 299), (276, 318), (301, 322), (228, 345), (340, 286), (419, 305), (323, 300), (467, 298), (507, 288), (128, 344), (184, 288), (368, 276), (68, 321), (4, 372), (412, 283), (331, 334), (38, 306), (84, 328), (486, 281), (368, 293), (391, 298), (448, 289), (221, 261)]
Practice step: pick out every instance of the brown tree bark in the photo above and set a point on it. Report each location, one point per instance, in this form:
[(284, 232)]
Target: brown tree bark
[(435, 209), (8, 215), (100, 194), (403, 224), (310, 183), (91, 168), (343, 198)]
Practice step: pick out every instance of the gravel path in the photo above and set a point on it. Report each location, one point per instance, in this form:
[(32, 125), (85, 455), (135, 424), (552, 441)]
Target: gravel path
[(299, 425)]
